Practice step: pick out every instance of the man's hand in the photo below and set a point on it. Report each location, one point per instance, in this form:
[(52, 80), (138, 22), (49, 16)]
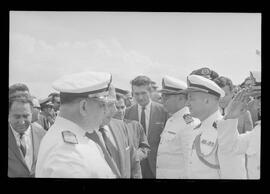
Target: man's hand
[(238, 105)]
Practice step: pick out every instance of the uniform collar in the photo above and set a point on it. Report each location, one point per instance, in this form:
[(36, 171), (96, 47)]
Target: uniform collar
[(69, 125), (180, 113), (211, 119)]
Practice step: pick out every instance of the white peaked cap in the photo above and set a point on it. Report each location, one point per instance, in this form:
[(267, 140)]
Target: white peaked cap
[(173, 85), (85, 82), (200, 83)]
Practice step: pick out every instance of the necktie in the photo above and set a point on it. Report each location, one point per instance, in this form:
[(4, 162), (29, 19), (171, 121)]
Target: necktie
[(106, 140), (223, 111), (22, 144), (143, 118), (94, 136)]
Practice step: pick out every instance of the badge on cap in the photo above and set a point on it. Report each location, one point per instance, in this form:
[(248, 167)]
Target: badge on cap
[(188, 118), (69, 137), (205, 71)]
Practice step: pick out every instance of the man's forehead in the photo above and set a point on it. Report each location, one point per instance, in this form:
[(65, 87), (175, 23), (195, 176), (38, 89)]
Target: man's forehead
[(20, 107)]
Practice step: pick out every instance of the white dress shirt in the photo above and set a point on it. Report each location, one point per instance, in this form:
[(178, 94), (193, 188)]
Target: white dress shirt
[(147, 115), (29, 147)]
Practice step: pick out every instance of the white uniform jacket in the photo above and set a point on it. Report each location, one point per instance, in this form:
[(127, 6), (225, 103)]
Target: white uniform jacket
[(70, 156), (203, 161), (174, 145)]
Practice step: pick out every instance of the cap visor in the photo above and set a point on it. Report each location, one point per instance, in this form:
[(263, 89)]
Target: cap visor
[(194, 89)]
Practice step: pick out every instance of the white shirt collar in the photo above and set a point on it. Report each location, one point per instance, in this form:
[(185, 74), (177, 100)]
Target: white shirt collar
[(211, 119)]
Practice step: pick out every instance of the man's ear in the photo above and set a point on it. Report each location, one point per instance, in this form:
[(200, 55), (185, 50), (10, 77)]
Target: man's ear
[(83, 110)]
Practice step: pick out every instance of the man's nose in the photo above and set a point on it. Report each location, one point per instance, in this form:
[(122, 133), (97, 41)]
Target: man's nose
[(140, 96), (21, 120)]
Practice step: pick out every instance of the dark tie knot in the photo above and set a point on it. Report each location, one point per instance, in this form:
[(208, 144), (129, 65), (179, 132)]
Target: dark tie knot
[(143, 107), (101, 129), (21, 135)]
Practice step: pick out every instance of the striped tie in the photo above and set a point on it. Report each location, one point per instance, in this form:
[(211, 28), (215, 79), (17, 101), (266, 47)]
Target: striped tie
[(22, 144)]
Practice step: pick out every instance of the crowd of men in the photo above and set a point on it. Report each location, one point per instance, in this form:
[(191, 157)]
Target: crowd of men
[(204, 127)]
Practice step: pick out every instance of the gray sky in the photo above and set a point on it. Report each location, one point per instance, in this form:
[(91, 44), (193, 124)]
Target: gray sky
[(46, 45)]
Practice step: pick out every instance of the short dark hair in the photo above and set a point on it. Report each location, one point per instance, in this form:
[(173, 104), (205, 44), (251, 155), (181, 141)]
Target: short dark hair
[(23, 98), (141, 80), (53, 95), (17, 87), (224, 81)]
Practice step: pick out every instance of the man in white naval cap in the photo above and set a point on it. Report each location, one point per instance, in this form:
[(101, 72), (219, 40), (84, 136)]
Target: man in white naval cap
[(209, 158), (174, 143), (71, 148), (248, 142)]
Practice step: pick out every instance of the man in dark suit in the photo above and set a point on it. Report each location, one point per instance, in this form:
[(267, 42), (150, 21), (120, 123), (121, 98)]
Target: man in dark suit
[(24, 137), (152, 116), (118, 144)]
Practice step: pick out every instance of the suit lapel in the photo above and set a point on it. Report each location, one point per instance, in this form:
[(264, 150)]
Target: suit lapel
[(35, 146), (12, 144), (117, 135), (135, 111)]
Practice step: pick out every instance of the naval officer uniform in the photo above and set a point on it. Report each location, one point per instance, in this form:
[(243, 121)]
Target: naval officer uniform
[(66, 151), (209, 157), (175, 139)]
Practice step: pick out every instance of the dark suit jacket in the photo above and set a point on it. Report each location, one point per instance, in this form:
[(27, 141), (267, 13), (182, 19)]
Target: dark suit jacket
[(157, 120), (17, 166), (127, 162)]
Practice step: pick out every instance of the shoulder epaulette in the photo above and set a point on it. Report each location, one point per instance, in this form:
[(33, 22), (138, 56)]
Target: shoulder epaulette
[(69, 137), (188, 118)]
